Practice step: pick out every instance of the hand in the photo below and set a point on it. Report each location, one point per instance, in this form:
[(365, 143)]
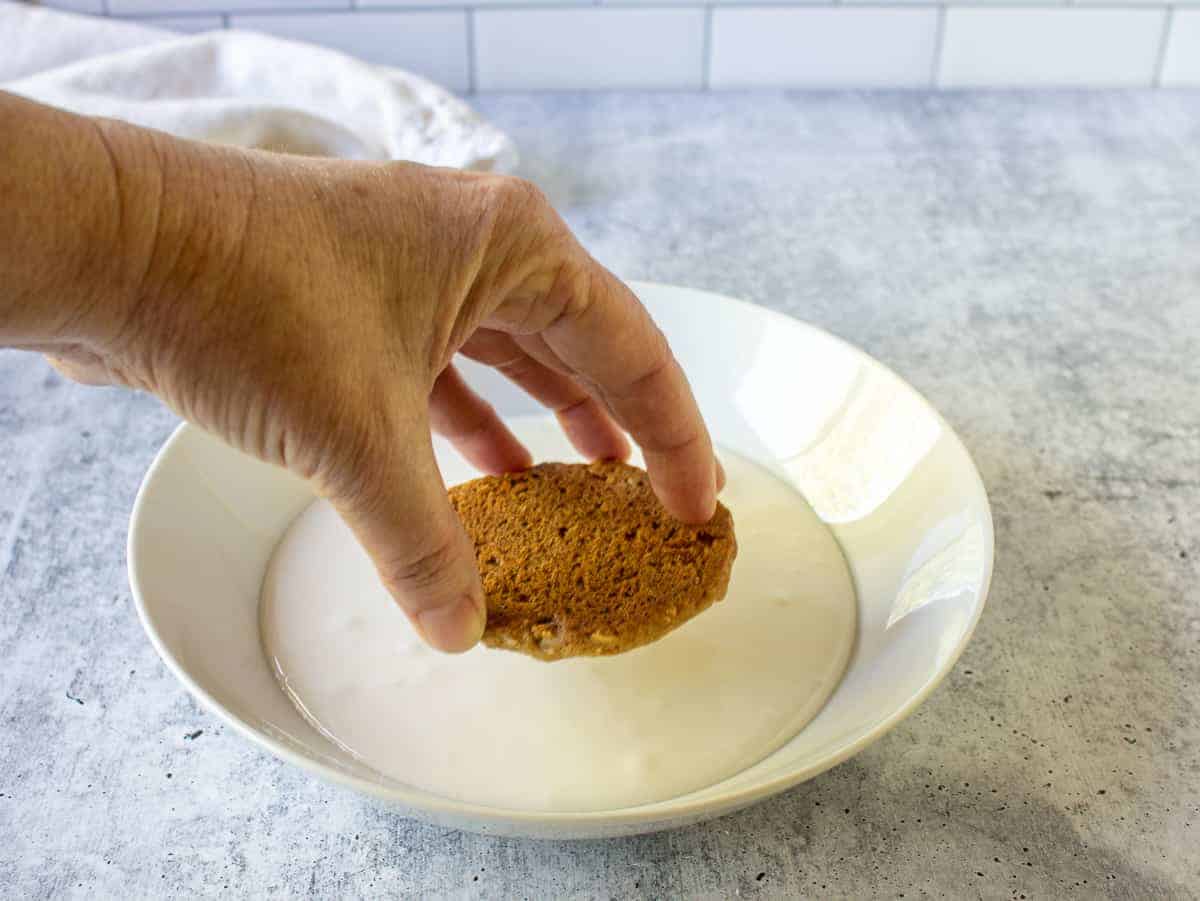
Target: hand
[(310, 313)]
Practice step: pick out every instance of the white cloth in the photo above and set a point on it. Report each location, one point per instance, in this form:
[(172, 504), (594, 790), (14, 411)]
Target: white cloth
[(243, 88)]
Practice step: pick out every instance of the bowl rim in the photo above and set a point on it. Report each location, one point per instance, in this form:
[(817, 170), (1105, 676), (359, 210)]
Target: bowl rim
[(670, 809)]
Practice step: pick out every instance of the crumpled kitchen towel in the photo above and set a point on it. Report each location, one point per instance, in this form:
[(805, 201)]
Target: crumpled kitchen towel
[(243, 88)]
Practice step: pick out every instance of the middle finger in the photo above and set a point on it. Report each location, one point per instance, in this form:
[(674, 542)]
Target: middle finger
[(586, 423)]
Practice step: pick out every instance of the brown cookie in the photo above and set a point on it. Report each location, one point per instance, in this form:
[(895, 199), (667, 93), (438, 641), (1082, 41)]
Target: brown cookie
[(582, 559)]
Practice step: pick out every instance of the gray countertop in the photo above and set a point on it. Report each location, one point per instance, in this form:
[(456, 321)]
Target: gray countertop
[(1030, 262)]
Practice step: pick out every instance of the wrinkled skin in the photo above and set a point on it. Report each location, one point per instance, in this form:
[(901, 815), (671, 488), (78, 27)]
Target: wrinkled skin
[(308, 312)]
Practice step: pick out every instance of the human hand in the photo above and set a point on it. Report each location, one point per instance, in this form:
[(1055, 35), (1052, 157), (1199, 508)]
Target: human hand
[(308, 312)]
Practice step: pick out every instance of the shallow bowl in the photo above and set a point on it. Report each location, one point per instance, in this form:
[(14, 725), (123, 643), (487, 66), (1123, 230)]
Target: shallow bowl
[(877, 463)]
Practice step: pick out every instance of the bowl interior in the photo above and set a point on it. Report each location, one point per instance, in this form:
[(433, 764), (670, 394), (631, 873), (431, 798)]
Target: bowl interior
[(874, 460)]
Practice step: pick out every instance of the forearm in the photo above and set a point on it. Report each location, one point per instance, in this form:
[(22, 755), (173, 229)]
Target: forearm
[(99, 218)]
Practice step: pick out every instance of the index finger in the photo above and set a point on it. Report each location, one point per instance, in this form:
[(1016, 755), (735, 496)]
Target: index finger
[(607, 338)]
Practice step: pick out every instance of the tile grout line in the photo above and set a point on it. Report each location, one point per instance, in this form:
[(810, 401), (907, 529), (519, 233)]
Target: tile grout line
[(472, 81), (1163, 45), (283, 9), (525, 5), (706, 57), (939, 46)]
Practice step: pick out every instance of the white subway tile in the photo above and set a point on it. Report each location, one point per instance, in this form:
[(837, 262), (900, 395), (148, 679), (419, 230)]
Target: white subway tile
[(76, 6), (661, 3), (1182, 63), (814, 47), (478, 3), (432, 44), (183, 24), (170, 7), (905, 3), (543, 49), (793, 4), (1050, 47)]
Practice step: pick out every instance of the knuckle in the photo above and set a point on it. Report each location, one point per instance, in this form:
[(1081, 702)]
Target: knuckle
[(519, 369), (677, 442), (570, 297), (649, 376), (581, 404), (429, 568), (521, 193), (348, 461)]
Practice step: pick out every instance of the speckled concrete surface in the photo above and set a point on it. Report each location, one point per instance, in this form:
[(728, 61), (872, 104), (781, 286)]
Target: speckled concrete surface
[(1030, 262)]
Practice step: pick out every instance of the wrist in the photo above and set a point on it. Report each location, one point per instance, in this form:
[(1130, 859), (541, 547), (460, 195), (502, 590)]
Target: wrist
[(184, 227), (104, 223), (124, 221), (66, 221)]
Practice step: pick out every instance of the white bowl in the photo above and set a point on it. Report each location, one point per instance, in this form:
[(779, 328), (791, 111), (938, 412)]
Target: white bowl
[(874, 459)]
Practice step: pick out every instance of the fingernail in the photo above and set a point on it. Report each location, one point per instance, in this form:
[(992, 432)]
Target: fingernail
[(453, 628), (720, 476)]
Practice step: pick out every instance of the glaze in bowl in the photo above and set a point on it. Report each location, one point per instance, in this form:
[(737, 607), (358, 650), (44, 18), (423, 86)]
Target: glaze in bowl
[(875, 461)]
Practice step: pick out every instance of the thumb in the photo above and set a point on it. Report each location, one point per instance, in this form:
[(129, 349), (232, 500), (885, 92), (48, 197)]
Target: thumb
[(395, 501)]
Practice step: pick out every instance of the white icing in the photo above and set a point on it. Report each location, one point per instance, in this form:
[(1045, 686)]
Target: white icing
[(497, 728)]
